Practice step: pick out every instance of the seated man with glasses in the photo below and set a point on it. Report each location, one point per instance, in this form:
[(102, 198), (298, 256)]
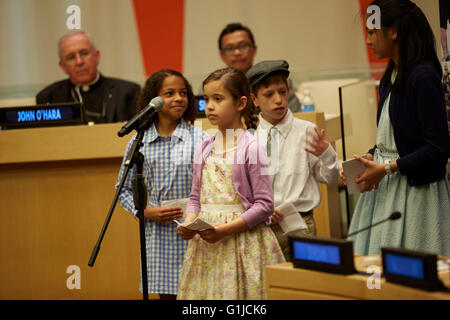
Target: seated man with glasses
[(105, 99), (238, 49)]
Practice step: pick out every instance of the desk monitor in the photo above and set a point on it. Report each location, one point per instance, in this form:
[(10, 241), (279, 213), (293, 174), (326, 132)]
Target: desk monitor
[(42, 115), (411, 268), (200, 105), (322, 254)]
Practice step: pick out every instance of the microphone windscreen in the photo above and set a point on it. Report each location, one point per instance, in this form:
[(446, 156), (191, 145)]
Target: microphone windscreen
[(157, 102), (395, 215)]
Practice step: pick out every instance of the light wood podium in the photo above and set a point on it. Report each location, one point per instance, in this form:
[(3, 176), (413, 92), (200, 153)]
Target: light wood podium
[(56, 187), (284, 282)]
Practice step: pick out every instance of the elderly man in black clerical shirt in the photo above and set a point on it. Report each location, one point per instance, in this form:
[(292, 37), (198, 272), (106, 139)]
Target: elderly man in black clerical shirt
[(105, 99)]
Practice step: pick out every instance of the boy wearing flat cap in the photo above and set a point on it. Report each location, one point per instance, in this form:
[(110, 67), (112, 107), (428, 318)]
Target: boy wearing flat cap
[(299, 154)]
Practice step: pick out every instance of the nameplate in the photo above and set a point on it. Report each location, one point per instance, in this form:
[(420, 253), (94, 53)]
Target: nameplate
[(43, 115)]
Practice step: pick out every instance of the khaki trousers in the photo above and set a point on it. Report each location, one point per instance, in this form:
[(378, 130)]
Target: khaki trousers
[(283, 240)]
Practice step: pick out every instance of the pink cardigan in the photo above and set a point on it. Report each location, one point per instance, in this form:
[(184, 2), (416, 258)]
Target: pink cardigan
[(250, 178)]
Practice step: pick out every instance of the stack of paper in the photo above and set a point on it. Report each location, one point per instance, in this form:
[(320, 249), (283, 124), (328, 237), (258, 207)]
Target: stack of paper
[(292, 220), (353, 168), (197, 225), (177, 203)]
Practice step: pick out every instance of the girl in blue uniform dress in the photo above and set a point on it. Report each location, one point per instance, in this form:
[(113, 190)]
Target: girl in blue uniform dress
[(168, 149)]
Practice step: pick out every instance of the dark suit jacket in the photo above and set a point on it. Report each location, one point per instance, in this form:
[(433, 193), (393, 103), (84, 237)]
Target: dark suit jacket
[(120, 97)]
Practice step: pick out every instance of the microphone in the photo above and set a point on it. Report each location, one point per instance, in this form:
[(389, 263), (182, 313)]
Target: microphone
[(154, 106), (394, 216)]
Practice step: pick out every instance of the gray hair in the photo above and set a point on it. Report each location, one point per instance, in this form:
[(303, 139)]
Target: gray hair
[(71, 33)]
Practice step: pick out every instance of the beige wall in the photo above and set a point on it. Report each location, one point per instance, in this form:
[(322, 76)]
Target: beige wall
[(316, 37), (311, 35), (431, 10), (322, 36), (28, 55)]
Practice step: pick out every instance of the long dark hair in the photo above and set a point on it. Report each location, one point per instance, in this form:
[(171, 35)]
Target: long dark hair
[(152, 87), (415, 38), (238, 85)]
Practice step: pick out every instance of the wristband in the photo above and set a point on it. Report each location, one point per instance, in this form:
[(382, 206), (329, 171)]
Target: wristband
[(387, 167)]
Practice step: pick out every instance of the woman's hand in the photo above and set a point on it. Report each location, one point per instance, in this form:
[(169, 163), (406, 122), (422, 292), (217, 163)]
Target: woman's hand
[(372, 175), (163, 214), (367, 156)]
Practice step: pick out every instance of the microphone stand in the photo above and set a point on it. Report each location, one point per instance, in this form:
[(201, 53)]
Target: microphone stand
[(391, 217), (140, 201)]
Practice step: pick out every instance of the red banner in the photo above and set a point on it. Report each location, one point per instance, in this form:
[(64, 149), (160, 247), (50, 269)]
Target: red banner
[(160, 26)]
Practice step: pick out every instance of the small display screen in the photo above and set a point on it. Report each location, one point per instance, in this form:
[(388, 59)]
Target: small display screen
[(200, 105), (404, 266), (316, 252)]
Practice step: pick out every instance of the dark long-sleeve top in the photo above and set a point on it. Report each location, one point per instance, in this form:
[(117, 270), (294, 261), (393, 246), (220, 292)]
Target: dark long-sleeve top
[(419, 121)]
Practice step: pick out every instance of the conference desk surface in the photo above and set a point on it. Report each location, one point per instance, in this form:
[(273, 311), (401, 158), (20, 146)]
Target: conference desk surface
[(284, 282)]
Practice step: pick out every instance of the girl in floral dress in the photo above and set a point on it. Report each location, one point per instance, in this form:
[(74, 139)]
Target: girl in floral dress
[(232, 191)]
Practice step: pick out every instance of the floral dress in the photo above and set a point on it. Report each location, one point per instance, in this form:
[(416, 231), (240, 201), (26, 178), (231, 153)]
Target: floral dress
[(234, 267)]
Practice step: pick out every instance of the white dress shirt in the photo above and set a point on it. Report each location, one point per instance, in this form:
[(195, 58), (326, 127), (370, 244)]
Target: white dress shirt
[(294, 171)]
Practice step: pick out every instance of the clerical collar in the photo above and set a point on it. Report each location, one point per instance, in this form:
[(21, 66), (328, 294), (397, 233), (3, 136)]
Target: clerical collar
[(86, 87)]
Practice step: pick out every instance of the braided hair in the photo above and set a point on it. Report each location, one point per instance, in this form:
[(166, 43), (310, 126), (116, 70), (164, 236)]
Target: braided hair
[(238, 85)]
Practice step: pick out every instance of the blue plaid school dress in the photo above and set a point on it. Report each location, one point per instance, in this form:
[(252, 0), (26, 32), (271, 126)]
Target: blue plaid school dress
[(168, 175)]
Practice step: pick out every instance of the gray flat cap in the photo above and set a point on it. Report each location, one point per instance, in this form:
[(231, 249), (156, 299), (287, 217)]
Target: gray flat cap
[(264, 68)]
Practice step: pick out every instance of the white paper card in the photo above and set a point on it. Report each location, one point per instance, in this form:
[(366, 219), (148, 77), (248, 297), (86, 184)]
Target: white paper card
[(177, 203), (197, 225), (292, 220), (352, 168), (442, 266)]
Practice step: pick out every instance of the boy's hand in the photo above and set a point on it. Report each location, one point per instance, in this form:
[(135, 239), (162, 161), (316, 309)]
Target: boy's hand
[(276, 216), (341, 174), (317, 143)]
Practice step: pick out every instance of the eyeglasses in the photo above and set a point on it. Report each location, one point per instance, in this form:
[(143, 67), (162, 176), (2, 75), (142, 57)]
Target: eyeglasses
[(243, 47), (83, 54)]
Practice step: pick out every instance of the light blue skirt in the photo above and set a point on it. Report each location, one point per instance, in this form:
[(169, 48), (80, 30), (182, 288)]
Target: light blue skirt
[(425, 221), (423, 226)]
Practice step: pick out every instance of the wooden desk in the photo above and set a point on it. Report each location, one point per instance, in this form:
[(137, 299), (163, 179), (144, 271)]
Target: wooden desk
[(284, 282), (56, 187)]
